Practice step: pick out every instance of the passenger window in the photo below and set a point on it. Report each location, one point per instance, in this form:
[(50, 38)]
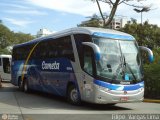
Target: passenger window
[(21, 53), (62, 48), (54, 48)]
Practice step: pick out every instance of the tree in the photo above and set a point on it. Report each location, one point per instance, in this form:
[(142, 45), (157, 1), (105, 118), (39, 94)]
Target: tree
[(9, 38), (114, 5), (94, 21), (4, 36), (21, 38), (146, 34)]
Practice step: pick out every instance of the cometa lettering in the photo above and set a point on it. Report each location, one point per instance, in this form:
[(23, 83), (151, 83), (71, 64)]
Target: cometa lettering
[(50, 66)]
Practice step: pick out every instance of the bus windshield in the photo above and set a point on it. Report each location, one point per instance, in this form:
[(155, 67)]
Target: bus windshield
[(120, 60)]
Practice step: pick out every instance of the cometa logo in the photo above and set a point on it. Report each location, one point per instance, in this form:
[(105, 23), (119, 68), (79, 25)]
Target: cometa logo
[(50, 66)]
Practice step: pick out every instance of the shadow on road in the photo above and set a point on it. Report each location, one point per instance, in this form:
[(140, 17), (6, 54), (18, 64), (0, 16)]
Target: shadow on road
[(87, 106), (40, 101)]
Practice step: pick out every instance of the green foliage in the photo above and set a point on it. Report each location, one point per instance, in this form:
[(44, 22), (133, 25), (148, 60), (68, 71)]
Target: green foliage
[(4, 36), (9, 38), (94, 21), (146, 34), (90, 23), (152, 77), (22, 37), (4, 51)]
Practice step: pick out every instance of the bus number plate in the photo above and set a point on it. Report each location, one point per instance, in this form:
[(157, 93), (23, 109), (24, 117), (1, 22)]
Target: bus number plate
[(124, 99)]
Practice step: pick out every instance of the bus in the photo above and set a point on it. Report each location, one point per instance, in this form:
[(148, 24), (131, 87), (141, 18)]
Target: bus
[(88, 64), (5, 67)]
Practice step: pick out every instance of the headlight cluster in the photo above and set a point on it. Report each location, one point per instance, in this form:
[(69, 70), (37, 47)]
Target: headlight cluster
[(104, 89)]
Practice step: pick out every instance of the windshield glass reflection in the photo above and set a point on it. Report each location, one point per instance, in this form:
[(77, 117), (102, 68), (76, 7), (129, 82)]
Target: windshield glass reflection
[(119, 59)]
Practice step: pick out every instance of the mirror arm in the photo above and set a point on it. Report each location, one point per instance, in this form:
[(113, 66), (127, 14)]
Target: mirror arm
[(95, 49)]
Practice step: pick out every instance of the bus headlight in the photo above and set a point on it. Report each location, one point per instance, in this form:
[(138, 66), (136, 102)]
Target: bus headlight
[(104, 89), (140, 89)]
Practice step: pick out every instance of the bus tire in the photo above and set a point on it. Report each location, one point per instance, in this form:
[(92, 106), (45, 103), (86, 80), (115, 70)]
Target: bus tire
[(73, 96), (20, 84), (25, 86)]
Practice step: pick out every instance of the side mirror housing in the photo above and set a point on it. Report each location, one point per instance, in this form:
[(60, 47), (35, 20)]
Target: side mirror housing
[(95, 49), (150, 53)]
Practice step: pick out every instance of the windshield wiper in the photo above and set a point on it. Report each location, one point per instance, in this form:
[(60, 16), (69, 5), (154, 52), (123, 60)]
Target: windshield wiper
[(123, 66), (127, 65)]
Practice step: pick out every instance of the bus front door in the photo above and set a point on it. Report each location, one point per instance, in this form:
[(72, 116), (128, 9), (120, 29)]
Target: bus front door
[(88, 71)]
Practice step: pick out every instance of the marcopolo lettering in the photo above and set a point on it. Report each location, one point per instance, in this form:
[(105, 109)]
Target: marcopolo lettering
[(50, 66)]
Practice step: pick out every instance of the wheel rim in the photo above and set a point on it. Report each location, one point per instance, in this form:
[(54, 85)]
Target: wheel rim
[(74, 95), (20, 84), (25, 86)]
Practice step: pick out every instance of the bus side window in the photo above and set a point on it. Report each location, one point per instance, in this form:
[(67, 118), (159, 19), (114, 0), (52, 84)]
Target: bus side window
[(6, 65), (63, 48), (66, 48), (88, 60), (79, 39)]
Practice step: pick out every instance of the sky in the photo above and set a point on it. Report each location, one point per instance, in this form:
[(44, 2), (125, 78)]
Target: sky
[(28, 16)]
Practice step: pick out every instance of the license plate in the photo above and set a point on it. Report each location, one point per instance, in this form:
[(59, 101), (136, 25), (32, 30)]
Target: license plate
[(124, 99)]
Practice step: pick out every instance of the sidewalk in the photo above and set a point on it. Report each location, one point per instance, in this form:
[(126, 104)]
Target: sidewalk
[(151, 100)]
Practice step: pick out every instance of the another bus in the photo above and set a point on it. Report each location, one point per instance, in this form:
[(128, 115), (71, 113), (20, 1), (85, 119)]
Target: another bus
[(5, 67), (83, 64)]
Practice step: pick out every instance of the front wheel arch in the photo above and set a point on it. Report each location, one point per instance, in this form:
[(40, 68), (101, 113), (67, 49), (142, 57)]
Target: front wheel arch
[(73, 96), (26, 85), (20, 84)]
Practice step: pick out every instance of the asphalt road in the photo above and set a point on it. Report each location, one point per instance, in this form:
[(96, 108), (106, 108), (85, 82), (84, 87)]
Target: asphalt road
[(39, 106)]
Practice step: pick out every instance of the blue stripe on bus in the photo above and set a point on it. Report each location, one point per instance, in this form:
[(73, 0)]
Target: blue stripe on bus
[(49, 79), (114, 36), (119, 87)]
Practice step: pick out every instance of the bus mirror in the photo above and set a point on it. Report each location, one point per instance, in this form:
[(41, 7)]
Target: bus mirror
[(150, 53), (95, 49)]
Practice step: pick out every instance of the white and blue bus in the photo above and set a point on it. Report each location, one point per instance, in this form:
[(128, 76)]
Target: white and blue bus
[(83, 64)]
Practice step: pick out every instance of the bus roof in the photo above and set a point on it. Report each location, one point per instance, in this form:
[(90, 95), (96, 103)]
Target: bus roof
[(99, 32), (6, 56)]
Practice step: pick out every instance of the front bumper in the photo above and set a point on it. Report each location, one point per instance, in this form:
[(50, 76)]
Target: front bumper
[(104, 95)]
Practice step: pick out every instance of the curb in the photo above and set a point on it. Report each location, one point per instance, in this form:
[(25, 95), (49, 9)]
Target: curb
[(151, 101)]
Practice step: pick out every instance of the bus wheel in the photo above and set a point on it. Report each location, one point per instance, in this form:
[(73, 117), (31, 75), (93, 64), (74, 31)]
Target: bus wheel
[(73, 96), (20, 85), (25, 86)]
